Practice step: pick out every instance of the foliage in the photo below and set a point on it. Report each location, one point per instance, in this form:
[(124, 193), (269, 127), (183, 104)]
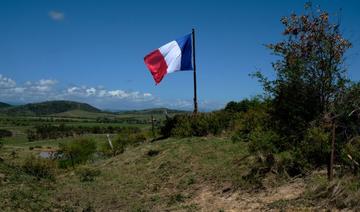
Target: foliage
[(46, 131), (75, 152), (243, 106), (125, 139), (196, 125), (87, 174), (49, 108), (5, 133), (263, 141), (315, 147), (350, 154), (40, 167), (309, 75), (255, 118)]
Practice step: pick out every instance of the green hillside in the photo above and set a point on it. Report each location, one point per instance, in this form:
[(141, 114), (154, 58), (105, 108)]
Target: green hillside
[(190, 174), (4, 105), (49, 107), (153, 111)]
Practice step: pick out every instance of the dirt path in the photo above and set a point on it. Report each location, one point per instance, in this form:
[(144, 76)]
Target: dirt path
[(209, 200)]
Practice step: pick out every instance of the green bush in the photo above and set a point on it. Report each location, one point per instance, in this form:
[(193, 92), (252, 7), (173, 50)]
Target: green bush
[(75, 152), (350, 154), (202, 124), (5, 133), (87, 174), (39, 167), (245, 122), (125, 139), (263, 141), (289, 163), (315, 147)]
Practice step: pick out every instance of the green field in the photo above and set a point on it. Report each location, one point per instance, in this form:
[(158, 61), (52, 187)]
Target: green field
[(209, 173)]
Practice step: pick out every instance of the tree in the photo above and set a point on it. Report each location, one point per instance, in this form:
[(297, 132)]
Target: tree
[(77, 151), (309, 74)]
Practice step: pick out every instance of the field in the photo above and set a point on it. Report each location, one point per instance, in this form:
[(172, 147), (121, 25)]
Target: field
[(174, 174)]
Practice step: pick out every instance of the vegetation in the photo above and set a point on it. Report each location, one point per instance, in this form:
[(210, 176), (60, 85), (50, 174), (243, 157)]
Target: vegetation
[(48, 108), (39, 168), (42, 132), (78, 151), (275, 144)]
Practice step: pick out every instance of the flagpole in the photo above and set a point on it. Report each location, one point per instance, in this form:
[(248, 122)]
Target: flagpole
[(194, 63)]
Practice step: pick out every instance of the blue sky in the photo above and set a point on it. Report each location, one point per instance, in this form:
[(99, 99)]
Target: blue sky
[(93, 51)]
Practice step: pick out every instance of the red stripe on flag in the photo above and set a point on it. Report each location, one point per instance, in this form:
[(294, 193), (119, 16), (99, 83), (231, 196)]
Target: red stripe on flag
[(157, 65)]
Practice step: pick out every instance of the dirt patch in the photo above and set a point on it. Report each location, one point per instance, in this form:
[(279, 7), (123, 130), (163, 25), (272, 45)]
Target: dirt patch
[(210, 200)]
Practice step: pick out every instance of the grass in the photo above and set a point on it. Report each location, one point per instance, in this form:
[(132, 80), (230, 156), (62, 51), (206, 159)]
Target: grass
[(165, 175), (137, 180)]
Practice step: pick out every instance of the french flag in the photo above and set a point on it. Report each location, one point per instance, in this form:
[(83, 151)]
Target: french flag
[(173, 56)]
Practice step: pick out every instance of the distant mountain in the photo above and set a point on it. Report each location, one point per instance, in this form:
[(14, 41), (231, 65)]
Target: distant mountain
[(48, 108), (153, 111), (4, 105)]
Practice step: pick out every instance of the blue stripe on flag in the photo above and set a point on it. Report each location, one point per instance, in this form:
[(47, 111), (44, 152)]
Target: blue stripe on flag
[(186, 52)]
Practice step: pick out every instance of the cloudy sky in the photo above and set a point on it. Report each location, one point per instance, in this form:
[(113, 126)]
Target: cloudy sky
[(92, 51)]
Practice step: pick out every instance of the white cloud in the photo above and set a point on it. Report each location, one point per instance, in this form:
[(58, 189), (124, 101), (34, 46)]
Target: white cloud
[(99, 96), (90, 91), (47, 82), (6, 82), (72, 90), (56, 15)]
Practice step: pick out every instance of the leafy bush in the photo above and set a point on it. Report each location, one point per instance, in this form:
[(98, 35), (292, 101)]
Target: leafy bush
[(201, 124), (87, 174), (263, 141), (39, 167), (77, 151), (5, 133), (350, 155), (242, 106), (315, 147), (245, 122), (47, 131), (125, 139)]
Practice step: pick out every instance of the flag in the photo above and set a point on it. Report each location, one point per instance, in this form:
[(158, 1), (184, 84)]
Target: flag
[(173, 56)]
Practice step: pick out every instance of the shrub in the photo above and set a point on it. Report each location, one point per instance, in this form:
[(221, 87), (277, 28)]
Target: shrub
[(77, 151), (315, 147), (87, 174), (40, 167), (5, 133), (263, 141), (289, 163), (246, 122), (125, 139), (243, 106), (350, 155), (202, 124)]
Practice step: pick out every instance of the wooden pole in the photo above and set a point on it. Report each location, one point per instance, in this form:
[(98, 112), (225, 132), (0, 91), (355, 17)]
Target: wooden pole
[(194, 63), (331, 168)]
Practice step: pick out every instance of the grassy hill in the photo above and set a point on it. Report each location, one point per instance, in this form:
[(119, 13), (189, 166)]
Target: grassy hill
[(48, 108), (153, 111), (4, 105), (190, 174)]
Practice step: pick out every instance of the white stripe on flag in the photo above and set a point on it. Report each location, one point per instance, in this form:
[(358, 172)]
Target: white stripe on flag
[(172, 56)]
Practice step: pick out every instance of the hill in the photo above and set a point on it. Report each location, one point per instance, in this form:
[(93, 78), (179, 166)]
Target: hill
[(4, 105), (49, 107), (153, 111), (190, 174)]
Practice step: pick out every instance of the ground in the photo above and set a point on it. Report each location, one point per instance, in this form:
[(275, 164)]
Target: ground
[(191, 174)]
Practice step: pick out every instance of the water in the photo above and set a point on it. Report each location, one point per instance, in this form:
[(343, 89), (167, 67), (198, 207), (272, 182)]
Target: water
[(46, 154)]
